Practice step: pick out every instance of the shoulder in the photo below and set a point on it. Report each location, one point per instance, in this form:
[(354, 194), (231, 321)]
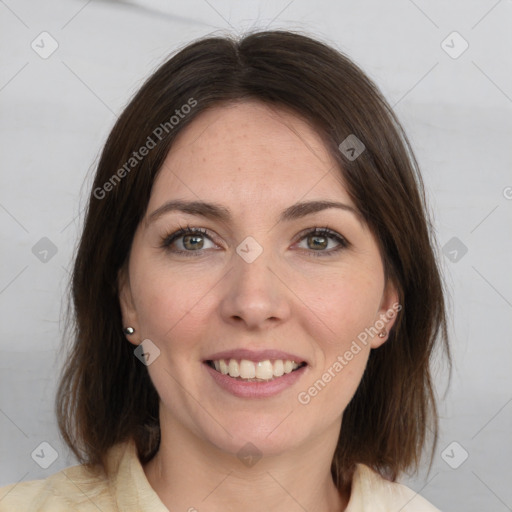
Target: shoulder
[(73, 488), (121, 486), (373, 493)]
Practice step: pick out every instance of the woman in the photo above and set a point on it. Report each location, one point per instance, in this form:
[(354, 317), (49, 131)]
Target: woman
[(255, 294)]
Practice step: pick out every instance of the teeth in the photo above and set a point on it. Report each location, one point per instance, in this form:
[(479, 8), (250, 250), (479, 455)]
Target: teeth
[(247, 369), (278, 368), (223, 367), (263, 370), (234, 368)]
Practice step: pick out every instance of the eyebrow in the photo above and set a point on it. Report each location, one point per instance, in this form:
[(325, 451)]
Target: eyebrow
[(219, 212)]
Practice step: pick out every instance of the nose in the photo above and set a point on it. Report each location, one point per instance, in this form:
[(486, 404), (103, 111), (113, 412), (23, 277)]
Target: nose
[(255, 294)]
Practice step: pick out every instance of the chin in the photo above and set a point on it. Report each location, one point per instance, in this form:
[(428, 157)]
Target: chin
[(264, 436)]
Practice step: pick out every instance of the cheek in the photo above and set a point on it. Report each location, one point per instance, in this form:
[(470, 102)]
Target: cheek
[(340, 363), (347, 303), (346, 380), (174, 307), (157, 304), (347, 306)]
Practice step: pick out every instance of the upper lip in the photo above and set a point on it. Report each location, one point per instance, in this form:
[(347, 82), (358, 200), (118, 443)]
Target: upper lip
[(255, 355)]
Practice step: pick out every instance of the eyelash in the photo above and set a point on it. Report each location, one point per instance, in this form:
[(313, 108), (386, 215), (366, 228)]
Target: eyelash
[(188, 230)]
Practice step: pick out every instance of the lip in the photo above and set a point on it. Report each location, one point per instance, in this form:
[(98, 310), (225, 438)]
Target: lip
[(255, 389), (256, 356)]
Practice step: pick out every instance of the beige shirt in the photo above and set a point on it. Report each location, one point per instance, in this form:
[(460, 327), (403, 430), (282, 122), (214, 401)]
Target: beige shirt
[(128, 490)]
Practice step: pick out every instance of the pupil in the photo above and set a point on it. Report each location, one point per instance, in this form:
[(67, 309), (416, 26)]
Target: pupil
[(322, 245), (196, 240)]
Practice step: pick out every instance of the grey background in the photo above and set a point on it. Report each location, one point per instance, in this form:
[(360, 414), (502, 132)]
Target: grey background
[(56, 113)]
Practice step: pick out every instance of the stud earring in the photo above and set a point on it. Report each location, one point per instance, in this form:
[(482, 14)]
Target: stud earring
[(382, 334), (128, 330)]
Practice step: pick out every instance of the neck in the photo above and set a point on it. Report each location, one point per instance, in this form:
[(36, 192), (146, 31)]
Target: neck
[(189, 473)]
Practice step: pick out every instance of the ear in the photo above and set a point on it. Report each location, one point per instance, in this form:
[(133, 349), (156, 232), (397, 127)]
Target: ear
[(387, 314), (128, 311)]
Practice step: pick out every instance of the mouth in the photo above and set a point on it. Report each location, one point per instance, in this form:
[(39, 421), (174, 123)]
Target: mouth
[(245, 370)]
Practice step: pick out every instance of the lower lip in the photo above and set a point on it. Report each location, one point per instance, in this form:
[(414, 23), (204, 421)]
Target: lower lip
[(255, 389)]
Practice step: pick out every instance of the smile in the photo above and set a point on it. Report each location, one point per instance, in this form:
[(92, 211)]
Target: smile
[(254, 371)]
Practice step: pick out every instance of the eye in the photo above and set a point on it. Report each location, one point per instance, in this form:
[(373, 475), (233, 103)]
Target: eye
[(190, 241), (317, 241)]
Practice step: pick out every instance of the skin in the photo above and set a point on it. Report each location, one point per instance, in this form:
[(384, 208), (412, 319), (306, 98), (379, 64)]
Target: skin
[(256, 161)]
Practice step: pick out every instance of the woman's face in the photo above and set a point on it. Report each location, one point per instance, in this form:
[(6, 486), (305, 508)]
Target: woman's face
[(255, 280)]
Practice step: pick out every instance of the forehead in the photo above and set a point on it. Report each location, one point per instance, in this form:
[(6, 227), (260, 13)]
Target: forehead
[(249, 150)]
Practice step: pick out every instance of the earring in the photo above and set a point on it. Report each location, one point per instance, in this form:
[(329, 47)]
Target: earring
[(128, 330), (383, 334)]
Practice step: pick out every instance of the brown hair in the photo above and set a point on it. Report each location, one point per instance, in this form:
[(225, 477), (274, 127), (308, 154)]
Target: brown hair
[(105, 394)]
